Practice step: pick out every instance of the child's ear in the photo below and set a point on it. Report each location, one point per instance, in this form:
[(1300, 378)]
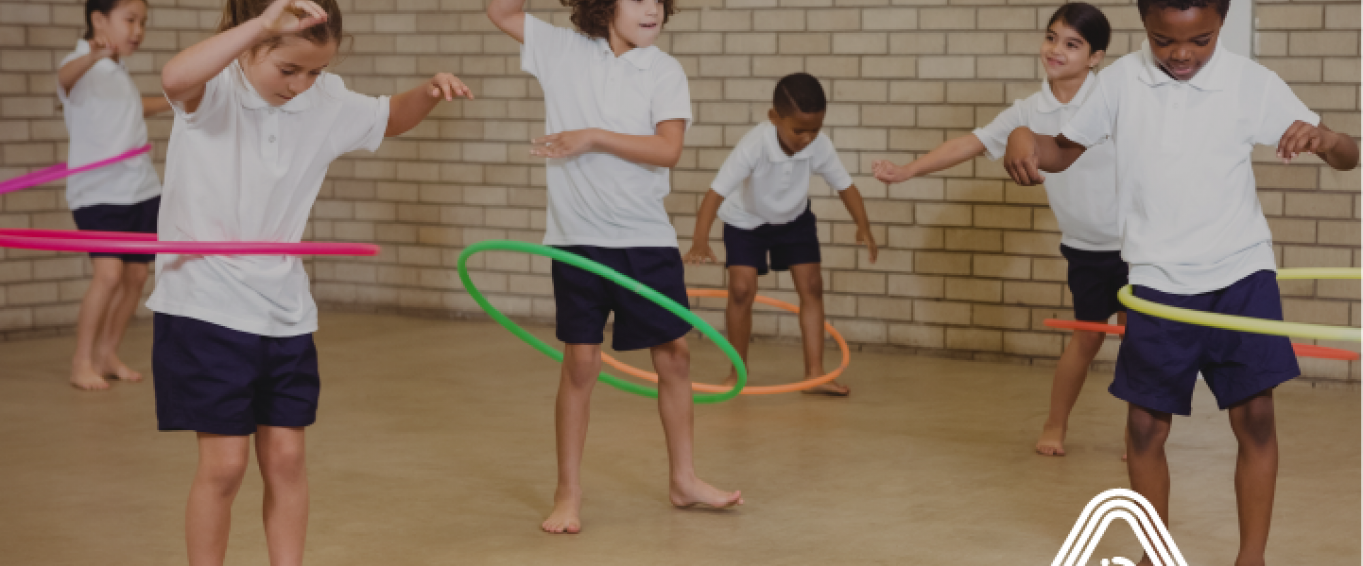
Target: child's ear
[(1096, 58), (774, 116)]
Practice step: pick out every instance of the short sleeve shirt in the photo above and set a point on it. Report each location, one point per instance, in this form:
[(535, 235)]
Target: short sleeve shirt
[(599, 199), (103, 115), (1083, 197), (762, 185), (1193, 220), (239, 169)]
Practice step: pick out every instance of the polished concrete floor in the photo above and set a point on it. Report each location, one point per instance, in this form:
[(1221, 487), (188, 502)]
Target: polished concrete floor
[(434, 446)]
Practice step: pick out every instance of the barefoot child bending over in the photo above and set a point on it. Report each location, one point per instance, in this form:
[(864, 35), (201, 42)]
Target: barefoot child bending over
[(257, 122), (1184, 115), (104, 113), (617, 108), (762, 195)]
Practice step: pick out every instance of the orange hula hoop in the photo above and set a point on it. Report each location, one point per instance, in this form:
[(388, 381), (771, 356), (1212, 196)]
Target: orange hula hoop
[(751, 389), (1303, 350)]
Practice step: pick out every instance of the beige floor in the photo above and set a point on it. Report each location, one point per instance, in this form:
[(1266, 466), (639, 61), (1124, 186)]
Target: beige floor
[(434, 446)]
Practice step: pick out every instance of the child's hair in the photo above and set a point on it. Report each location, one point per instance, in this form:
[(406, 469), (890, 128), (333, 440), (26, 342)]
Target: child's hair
[(101, 6), (1089, 21), (594, 17), (1144, 6), (798, 91), (237, 12)]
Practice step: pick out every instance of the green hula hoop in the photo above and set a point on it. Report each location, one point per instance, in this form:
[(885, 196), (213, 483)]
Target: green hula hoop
[(1250, 324), (617, 278)]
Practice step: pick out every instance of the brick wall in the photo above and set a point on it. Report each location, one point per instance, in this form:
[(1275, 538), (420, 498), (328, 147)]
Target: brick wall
[(969, 263)]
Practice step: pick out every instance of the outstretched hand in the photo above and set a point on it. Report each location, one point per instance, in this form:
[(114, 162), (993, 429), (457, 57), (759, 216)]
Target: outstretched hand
[(563, 144), (292, 16), (889, 173), (449, 87)]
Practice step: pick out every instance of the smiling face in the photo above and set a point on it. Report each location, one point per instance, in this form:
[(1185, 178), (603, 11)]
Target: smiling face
[(1065, 53), (282, 72), (637, 23), (1182, 41), (796, 130), (123, 27)]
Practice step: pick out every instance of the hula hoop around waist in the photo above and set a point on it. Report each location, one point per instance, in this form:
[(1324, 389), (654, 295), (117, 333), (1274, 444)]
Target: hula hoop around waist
[(1302, 350)]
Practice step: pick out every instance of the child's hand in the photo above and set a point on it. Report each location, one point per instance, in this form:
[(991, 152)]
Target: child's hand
[(449, 87), (1300, 138), (864, 236), (563, 144), (700, 253), (889, 173), (291, 16), (101, 47), (1021, 160)]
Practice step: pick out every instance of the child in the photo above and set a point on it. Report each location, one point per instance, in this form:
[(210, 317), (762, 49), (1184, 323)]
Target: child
[(768, 176), (1184, 114), (104, 115), (1084, 197), (257, 122), (616, 110)]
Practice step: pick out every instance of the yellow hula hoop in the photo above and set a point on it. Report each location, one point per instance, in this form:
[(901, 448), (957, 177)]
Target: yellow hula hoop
[(1250, 324)]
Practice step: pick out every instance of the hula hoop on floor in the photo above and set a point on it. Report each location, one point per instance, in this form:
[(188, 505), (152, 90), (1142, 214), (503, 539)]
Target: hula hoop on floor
[(755, 389), (60, 171), (1250, 324), (1302, 350), (614, 277), (131, 243)]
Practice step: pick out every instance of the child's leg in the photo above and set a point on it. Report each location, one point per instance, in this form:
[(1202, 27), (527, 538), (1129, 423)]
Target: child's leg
[(738, 313), (121, 308), (673, 364), (1256, 473), (208, 518), (1070, 374), (809, 285), (85, 373), (282, 465), (581, 364), (1146, 464)]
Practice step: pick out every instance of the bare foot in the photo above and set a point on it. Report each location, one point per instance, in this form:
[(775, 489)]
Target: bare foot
[(85, 378), (1052, 442), (116, 368), (696, 493), (565, 518), (831, 389)]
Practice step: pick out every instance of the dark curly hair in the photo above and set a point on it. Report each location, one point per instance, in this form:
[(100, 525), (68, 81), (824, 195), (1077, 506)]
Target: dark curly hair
[(594, 17), (1222, 6)]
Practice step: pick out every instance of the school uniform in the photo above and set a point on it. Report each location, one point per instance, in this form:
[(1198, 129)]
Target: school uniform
[(1084, 199), (103, 113), (1195, 234), (601, 206), (233, 341), (766, 210)]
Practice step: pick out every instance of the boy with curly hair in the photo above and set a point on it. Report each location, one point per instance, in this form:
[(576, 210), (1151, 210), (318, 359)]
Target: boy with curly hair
[(617, 109)]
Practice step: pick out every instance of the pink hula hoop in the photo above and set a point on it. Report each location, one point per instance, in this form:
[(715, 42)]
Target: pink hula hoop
[(59, 171), (117, 242)]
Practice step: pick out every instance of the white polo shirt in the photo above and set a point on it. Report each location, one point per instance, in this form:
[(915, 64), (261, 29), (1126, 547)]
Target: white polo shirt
[(239, 169), (598, 199), (1193, 223), (1083, 197), (103, 115), (762, 185)]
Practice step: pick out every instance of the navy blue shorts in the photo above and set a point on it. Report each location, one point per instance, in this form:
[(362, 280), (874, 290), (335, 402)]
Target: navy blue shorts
[(792, 243), (1094, 279), (140, 217), (1159, 360), (213, 379), (585, 300)]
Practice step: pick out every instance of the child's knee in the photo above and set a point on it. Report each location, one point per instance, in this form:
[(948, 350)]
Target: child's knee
[(284, 463), (106, 278), (811, 286), (135, 276), (742, 292), (1254, 421), (223, 476), (1147, 431)]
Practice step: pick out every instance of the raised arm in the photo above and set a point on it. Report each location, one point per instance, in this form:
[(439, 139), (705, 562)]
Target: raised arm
[(954, 152), (662, 149), (1030, 153), (508, 16), (185, 75), (73, 70), (408, 109), (700, 240)]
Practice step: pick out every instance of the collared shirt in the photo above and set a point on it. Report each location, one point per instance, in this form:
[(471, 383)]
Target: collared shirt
[(103, 115), (1193, 221), (239, 169), (1083, 197), (599, 199), (762, 185)]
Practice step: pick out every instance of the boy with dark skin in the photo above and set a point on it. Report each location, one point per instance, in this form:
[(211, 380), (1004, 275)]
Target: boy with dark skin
[(1182, 42)]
